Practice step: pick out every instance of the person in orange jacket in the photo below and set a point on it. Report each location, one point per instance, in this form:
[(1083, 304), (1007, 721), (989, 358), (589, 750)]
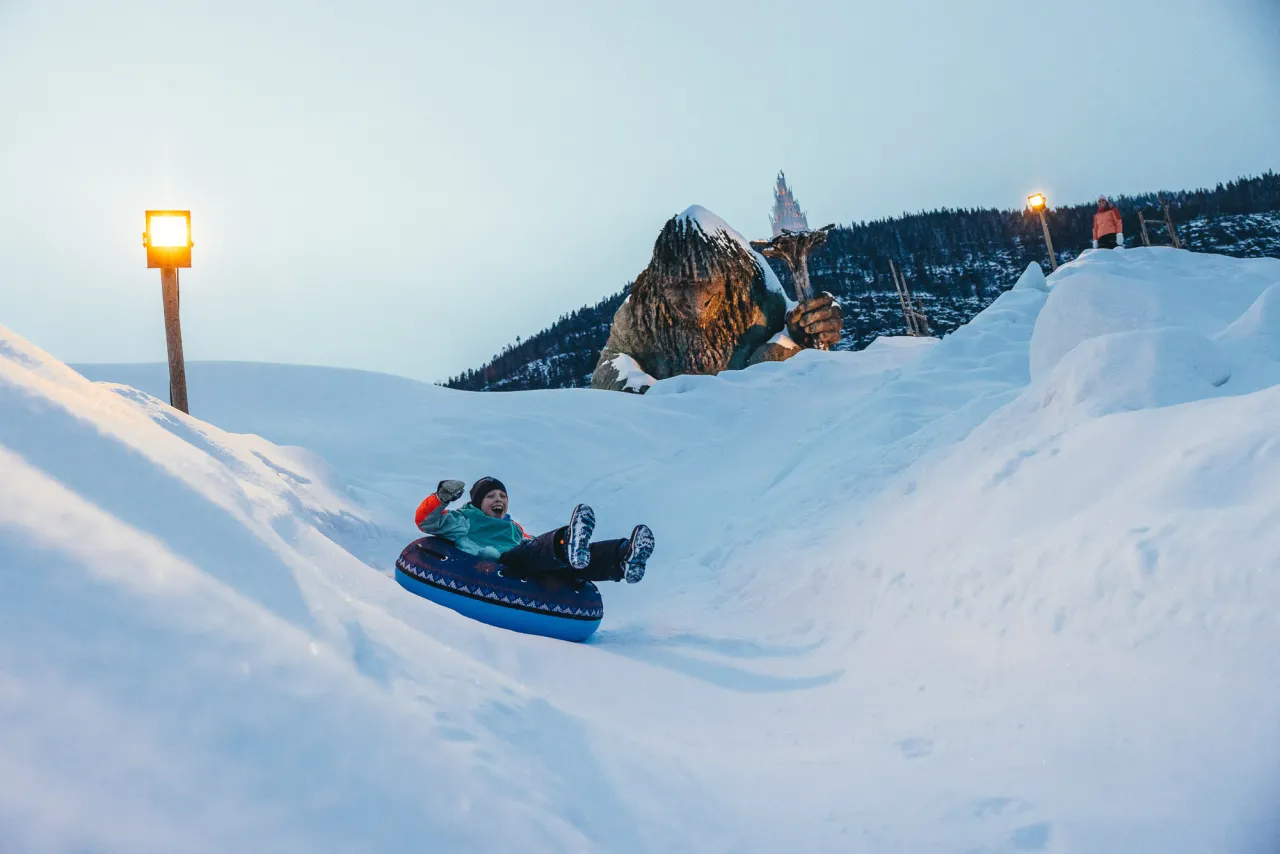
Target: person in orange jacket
[(1108, 231)]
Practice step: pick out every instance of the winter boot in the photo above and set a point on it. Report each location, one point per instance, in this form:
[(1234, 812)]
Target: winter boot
[(582, 524), (636, 553)]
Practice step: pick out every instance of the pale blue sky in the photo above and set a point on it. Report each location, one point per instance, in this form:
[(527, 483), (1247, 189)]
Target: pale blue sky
[(406, 187)]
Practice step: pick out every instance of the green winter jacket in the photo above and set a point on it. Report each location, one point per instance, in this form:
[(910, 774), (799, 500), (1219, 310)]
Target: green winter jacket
[(469, 528)]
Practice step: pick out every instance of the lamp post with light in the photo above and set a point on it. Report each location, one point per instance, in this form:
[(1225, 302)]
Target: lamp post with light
[(168, 243), (1037, 203)]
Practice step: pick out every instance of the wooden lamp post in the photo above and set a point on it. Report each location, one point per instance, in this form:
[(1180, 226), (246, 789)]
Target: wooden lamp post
[(1037, 203), (168, 243)]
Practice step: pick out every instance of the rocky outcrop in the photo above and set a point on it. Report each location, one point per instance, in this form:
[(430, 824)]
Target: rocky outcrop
[(707, 302)]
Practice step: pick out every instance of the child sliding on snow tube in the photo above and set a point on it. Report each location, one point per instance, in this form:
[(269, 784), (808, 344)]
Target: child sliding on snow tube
[(483, 528)]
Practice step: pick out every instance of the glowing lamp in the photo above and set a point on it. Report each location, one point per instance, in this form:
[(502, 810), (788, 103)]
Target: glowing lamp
[(168, 239), (168, 244), (1036, 202)]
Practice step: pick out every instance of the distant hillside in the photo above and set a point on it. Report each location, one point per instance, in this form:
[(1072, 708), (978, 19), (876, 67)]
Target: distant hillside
[(561, 356), (955, 261)]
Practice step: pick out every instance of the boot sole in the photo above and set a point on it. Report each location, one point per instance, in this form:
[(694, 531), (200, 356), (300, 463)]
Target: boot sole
[(581, 526), (638, 553)]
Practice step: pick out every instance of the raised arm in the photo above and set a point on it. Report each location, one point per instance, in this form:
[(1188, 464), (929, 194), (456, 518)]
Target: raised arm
[(433, 518)]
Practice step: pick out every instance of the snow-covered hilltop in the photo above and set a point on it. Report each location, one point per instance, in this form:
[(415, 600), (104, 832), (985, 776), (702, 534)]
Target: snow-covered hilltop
[(1014, 590)]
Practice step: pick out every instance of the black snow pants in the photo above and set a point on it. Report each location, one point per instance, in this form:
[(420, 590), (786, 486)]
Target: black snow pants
[(546, 555), (1107, 241)]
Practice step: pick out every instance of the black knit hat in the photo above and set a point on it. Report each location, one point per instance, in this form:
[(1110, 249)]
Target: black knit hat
[(483, 487)]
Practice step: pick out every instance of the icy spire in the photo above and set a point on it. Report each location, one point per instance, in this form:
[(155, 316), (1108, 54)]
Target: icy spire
[(786, 210)]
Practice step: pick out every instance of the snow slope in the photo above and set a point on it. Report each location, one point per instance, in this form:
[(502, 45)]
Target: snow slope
[(1015, 590)]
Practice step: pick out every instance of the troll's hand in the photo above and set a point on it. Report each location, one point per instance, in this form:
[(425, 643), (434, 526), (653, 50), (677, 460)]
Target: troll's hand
[(816, 322)]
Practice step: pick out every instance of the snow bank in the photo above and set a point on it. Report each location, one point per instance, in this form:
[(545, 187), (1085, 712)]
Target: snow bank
[(1142, 369), (1107, 292), (1013, 590), (1258, 329), (1032, 277)]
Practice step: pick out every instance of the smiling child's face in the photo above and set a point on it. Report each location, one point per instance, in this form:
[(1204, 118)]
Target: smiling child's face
[(494, 503)]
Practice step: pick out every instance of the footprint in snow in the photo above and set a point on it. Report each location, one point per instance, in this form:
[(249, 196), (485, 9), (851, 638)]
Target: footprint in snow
[(914, 748), (1015, 837)]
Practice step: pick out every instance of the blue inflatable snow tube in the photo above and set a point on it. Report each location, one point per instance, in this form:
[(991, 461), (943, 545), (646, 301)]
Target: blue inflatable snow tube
[(551, 606)]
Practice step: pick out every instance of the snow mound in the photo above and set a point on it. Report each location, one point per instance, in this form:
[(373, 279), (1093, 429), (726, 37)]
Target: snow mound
[(1032, 278), (1259, 327), (716, 228), (1141, 369), (1106, 292)]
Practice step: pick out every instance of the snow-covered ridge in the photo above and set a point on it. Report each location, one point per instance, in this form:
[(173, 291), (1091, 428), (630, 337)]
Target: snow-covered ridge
[(1013, 590)]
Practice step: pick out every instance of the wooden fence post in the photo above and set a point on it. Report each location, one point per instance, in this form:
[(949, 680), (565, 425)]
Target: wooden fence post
[(1168, 221), (902, 299), (912, 310), (922, 322)]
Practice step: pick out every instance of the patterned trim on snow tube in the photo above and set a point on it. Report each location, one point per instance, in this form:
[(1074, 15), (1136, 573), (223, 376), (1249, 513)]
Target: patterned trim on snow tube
[(556, 607)]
